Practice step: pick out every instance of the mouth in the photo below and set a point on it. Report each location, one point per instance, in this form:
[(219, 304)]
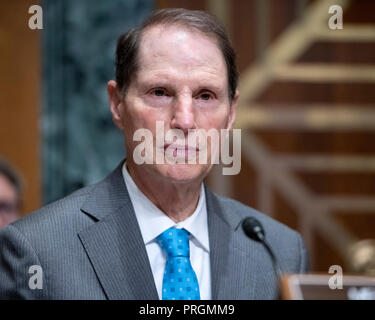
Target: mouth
[(180, 151), (185, 148)]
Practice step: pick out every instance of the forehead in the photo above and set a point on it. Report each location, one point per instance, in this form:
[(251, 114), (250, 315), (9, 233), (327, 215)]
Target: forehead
[(181, 52)]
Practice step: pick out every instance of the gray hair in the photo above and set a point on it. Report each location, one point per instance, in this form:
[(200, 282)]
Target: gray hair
[(128, 43)]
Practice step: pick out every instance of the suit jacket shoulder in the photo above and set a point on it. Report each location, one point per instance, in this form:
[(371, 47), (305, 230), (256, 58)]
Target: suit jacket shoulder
[(49, 238), (241, 267), (89, 246), (275, 231)]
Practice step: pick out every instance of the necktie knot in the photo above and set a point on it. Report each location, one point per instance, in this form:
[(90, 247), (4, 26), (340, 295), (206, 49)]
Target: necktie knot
[(175, 242)]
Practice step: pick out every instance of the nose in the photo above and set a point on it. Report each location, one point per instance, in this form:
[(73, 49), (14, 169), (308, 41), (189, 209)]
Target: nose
[(183, 114)]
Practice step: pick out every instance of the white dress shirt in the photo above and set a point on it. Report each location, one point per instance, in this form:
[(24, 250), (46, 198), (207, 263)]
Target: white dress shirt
[(152, 222)]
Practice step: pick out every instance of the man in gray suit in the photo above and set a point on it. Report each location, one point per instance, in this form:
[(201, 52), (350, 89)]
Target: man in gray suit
[(153, 230)]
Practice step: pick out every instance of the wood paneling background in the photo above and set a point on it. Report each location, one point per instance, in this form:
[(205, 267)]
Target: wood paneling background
[(19, 95)]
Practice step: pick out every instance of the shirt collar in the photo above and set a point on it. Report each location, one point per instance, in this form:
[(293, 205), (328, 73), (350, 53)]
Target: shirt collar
[(152, 221)]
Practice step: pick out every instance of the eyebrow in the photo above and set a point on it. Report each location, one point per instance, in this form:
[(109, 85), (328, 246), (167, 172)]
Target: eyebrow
[(169, 84)]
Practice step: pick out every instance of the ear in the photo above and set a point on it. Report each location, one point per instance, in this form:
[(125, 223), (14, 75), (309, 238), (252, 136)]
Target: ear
[(116, 105), (232, 111)]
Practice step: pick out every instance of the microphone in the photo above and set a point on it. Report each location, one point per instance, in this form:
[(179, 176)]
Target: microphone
[(254, 230)]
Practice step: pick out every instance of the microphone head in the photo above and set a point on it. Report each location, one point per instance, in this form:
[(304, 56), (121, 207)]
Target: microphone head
[(253, 229)]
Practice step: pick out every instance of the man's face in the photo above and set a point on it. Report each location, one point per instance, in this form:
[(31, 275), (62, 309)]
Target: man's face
[(182, 81), (8, 202)]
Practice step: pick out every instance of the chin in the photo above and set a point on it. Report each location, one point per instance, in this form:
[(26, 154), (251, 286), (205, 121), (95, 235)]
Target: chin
[(182, 173)]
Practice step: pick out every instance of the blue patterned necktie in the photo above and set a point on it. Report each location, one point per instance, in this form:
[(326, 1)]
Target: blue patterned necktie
[(179, 281)]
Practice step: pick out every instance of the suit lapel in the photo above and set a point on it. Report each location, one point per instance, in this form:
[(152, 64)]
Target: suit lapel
[(115, 248), (114, 244), (233, 258), (219, 238)]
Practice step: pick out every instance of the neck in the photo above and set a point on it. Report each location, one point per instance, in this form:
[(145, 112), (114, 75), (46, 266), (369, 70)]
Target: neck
[(177, 200)]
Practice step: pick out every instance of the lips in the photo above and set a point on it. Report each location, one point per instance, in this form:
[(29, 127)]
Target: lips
[(180, 147), (180, 151)]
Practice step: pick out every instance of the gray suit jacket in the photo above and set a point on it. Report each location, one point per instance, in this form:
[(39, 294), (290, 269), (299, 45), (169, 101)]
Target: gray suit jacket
[(89, 246)]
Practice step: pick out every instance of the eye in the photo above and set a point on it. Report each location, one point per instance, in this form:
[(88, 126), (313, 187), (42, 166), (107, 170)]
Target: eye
[(205, 96), (159, 92)]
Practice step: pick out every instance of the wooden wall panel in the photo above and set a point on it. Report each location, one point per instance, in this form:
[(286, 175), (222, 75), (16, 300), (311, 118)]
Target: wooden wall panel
[(281, 15), (340, 183), (359, 143), (361, 11), (283, 212), (360, 223), (324, 255), (19, 95), (244, 30), (245, 185), (340, 52), (305, 92)]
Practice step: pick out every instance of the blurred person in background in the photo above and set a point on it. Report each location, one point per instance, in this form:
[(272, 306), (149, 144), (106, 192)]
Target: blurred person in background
[(10, 193)]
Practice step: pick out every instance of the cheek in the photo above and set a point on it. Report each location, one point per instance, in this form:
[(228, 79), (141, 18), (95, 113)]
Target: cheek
[(217, 119), (139, 116)]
